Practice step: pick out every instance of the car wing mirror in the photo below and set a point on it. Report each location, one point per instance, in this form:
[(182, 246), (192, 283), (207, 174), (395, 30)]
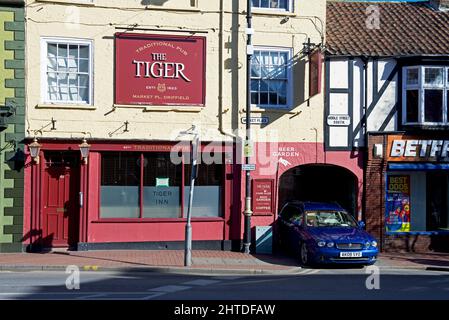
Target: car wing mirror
[(362, 224)]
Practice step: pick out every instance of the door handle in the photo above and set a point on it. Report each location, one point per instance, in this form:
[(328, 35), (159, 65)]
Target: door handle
[(81, 199)]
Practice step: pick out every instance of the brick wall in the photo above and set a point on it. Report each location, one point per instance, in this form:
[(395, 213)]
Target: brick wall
[(12, 93), (374, 189)]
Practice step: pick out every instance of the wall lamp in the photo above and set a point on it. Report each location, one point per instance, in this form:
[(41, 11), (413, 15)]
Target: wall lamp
[(84, 148), (35, 148)]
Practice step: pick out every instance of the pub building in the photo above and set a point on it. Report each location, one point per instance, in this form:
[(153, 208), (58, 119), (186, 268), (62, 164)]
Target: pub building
[(115, 96)]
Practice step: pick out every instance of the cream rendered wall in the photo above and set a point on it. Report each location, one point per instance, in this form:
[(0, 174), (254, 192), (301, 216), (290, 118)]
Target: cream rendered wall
[(226, 55)]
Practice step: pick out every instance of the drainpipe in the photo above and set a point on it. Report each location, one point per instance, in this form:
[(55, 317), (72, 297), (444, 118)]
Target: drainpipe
[(248, 211), (365, 61)]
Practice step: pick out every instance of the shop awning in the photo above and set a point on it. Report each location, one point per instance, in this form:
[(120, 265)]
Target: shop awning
[(418, 166)]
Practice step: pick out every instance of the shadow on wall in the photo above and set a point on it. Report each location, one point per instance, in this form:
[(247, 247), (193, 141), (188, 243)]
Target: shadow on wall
[(153, 2)]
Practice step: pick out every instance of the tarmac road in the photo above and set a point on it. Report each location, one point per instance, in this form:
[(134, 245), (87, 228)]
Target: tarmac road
[(402, 284)]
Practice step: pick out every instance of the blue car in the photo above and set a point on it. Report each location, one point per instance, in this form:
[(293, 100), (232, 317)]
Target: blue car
[(321, 233)]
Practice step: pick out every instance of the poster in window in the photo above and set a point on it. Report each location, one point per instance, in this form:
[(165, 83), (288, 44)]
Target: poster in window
[(398, 204)]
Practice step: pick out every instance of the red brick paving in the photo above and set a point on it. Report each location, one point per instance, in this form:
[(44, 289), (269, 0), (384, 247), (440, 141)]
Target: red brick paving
[(202, 259), (140, 258)]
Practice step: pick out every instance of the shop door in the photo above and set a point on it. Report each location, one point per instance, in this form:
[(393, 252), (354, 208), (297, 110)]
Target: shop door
[(60, 189), (437, 201)]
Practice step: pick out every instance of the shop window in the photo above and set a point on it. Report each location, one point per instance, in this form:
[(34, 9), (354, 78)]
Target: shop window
[(67, 71), (417, 201), (207, 200), (270, 78), (154, 189), (162, 182), (426, 95), (120, 179), (284, 5)]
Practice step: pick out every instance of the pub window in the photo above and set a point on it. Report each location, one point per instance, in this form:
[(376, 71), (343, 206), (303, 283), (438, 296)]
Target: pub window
[(67, 71), (426, 95), (270, 78), (285, 5), (207, 192), (150, 185)]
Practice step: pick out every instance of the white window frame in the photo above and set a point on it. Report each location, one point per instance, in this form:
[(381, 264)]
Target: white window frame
[(289, 9), (421, 86), (289, 87), (44, 81)]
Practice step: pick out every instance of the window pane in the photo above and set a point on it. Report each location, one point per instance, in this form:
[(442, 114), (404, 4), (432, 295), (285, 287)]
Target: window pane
[(120, 175), (84, 52), (412, 76), (161, 186), (73, 80), (412, 105), (84, 66), (264, 98), (62, 64), (84, 94), (62, 50), (73, 52), (283, 4), (255, 98), (208, 191), (433, 76), (52, 50), (52, 79), (433, 106)]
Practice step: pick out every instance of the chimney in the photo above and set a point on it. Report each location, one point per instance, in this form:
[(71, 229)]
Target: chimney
[(440, 4)]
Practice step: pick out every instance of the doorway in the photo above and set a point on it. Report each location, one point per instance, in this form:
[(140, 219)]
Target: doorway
[(319, 183), (60, 205)]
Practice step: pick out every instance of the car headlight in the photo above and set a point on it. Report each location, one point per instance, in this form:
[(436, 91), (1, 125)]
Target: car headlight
[(330, 244), (374, 243), (367, 244), (321, 244)]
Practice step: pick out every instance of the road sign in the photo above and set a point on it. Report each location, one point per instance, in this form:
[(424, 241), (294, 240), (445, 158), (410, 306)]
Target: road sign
[(248, 167), (256, 120)]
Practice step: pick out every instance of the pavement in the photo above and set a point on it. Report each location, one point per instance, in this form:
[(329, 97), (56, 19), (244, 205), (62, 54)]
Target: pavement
[(203, 261)]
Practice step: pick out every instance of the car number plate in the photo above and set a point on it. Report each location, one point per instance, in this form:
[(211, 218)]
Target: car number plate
[(350, 254)]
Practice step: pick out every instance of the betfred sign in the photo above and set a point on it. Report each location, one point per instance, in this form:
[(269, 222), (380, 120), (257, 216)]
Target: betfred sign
[(159, 70), (402, 148)]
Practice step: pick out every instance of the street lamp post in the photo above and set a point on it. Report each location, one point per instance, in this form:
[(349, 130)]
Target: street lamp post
[(193, 176), (248, 145)]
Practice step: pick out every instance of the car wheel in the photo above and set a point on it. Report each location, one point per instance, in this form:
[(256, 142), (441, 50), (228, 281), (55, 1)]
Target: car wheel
[(304, 255)]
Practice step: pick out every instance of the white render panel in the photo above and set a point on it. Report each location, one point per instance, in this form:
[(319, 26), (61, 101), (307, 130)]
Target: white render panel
[(358, 100), (338, 103), (338, 136), (339, 74), (387, 101)]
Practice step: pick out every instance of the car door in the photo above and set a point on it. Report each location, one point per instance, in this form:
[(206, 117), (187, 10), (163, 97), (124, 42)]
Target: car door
[(296, 229), (284, 226)]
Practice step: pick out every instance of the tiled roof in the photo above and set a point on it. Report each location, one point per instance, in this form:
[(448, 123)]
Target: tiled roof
[(406, 29)]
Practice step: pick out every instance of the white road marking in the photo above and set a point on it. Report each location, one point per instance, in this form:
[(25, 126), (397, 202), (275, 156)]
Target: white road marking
[(201, 282), (170, 288), (227, 277)]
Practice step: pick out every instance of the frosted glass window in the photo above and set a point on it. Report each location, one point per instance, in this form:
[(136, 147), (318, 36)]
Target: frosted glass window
[(120, 174)]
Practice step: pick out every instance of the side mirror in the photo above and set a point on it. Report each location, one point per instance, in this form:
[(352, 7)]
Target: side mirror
[(362, 224)]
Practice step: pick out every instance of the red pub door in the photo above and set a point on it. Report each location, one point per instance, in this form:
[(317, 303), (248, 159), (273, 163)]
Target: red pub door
[(60, 203)]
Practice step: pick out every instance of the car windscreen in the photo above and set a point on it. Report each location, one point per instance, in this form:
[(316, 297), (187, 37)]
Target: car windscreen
[(318, 218)]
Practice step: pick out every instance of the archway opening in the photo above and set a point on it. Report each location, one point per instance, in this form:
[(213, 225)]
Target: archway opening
[(319, 183)]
